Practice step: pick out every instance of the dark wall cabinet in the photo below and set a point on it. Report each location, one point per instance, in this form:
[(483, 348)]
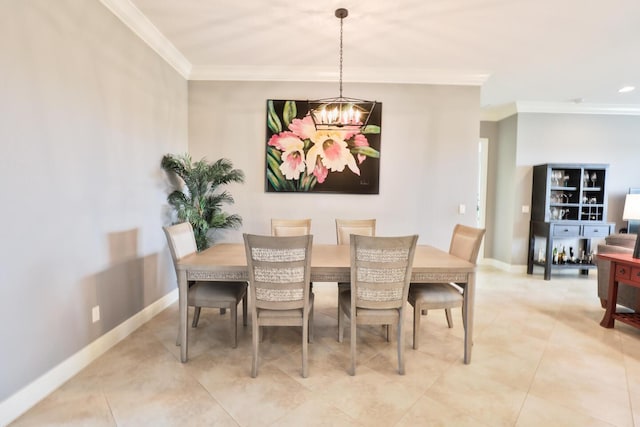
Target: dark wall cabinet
[(568, 209)]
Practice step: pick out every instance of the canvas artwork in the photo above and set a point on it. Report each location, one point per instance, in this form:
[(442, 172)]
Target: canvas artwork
[(300, 158)]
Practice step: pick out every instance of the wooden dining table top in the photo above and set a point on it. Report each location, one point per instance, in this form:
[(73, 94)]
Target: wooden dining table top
[(329, 262)]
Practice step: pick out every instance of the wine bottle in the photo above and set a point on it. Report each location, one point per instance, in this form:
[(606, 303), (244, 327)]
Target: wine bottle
[(555, 255)]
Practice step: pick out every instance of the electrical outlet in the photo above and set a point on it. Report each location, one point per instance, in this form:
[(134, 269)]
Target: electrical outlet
[(462, 209), (525, 209), (95, 313)]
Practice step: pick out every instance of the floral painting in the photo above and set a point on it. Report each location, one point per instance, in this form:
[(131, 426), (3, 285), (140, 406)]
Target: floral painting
[(303, 159)]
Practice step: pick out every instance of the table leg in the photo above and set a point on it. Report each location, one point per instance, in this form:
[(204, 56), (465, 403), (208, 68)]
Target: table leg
[(182, 306), (612, 299), (467, 316)]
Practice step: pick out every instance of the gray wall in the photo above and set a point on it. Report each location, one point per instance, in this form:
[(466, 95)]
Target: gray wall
[(429, 157), (86, 112), (563, 138)]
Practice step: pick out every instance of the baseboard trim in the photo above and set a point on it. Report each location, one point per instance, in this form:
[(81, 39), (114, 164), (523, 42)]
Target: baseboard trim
[(21, 401), (511, 268)]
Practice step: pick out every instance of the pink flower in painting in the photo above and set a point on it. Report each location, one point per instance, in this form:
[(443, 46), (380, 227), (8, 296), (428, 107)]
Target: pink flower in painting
[(359, 140), (304, 128), (320, 171), (293, 161), (333, 152)]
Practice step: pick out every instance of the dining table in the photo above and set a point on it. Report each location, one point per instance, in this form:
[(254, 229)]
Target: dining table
[(329, 263)]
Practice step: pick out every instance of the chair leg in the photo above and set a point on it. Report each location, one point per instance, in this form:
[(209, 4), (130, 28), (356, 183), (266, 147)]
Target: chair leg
[(255, 335), (310, 324), (244, 310), (305, 348), (352, 371), (447, 312), (196, 317), (234, 324), (400, 339), (417, 312), (340, 323), (386, 332)]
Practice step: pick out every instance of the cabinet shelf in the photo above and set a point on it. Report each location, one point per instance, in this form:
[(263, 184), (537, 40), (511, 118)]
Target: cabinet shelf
[(563, 208), (556, 188)]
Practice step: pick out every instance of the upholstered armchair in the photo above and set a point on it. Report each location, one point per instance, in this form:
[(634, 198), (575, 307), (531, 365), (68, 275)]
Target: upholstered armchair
[(627, 296)]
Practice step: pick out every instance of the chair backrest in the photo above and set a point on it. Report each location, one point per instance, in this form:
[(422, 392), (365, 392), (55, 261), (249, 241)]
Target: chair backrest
[(347, 227), (181, 240), (465, 242), (381, 270), (290, 227), (279, 270)]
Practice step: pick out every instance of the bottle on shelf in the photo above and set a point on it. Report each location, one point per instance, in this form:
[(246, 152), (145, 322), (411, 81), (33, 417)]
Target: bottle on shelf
[(555, 255)]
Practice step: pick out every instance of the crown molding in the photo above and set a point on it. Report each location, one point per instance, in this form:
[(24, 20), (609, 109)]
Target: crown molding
[(497, 112), (500, 112), (353, 75), (577, 108), (149, 33)]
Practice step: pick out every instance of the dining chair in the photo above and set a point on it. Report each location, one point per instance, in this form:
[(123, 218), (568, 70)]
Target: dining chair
[(222, 295), (290, 227), (279, 286), (465, 244), (345, 228), (380, 275)]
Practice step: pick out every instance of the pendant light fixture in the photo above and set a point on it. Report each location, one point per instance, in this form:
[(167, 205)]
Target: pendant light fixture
[(341, 113)]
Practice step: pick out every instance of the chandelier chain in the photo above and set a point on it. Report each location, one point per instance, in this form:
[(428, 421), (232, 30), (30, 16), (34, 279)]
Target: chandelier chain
[(341, 20)]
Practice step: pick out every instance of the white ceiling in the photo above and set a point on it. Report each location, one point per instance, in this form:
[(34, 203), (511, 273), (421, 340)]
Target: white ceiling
[(577, 52)]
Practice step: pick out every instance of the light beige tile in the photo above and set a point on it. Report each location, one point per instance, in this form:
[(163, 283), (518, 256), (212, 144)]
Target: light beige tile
[(257, 401), (429, 412), (315, 412), (539, 358), (369, 397), (590, 394), (65, 408), (540, 412), (469, 391)]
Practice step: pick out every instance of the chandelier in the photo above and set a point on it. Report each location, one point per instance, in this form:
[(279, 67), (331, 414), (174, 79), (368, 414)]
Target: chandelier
[(341, 113)]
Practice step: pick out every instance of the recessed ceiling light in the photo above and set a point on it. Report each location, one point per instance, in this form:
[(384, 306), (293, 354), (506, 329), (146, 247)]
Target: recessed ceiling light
[(627, 89)]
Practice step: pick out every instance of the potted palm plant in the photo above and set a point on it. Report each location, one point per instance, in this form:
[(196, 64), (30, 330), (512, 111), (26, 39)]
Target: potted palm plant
[(199, 199)]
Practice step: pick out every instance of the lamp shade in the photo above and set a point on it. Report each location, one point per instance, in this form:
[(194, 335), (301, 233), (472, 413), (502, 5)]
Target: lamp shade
[(631, 207)]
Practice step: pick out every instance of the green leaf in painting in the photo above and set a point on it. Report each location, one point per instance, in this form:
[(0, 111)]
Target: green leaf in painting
[(274, 167), (272, 118), (369, 129), (275, 183), (367, 151), (289, 112)]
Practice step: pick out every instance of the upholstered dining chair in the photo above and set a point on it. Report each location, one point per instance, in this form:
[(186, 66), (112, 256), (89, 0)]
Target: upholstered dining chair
[(222, 295), (465, 244), (279, 273), (380, 276), (290, 227)]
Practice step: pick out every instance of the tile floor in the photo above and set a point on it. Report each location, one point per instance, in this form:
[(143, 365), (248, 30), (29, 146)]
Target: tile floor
[(540, 358)]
